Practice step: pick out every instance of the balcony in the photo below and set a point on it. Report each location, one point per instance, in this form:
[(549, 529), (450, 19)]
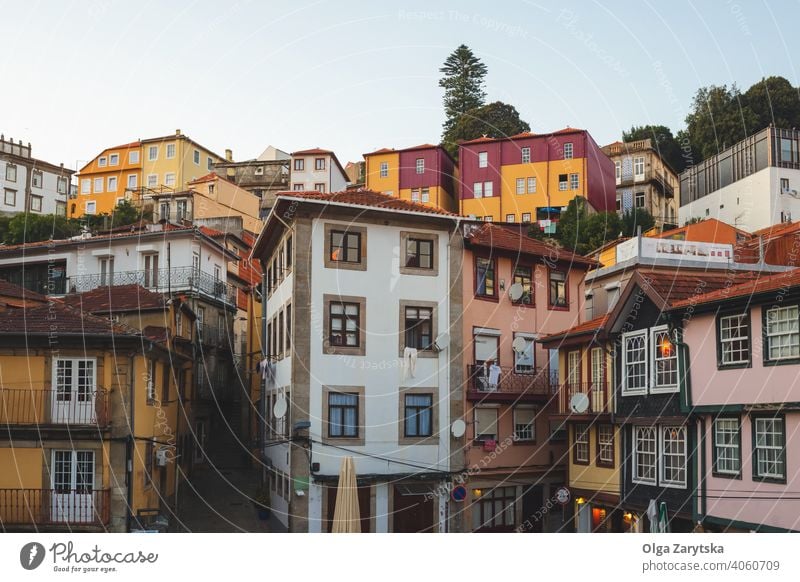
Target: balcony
[(538, 385), (33, 406), (213, 336), (659, 180), (38, 507), (186, 279), (598, 394)]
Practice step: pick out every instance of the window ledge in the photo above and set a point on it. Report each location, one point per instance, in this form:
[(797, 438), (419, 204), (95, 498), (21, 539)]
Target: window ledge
[(665, 390)]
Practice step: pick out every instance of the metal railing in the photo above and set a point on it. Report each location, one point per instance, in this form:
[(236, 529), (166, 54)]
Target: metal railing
[(211, 335), (596, 392), (659, 178), (54, 507), (159, 281), (40, 407), (537, 381)]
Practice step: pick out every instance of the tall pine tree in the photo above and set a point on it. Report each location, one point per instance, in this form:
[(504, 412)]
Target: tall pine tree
[(463, 84)]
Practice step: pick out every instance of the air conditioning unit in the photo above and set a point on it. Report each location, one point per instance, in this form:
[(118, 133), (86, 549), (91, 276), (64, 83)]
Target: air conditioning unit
[(161, 457)]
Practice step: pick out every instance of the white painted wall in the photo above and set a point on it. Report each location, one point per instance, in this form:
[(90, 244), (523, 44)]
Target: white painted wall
[(751, 203), (380, 371), (128, 254), (331, 176), (20, 185)]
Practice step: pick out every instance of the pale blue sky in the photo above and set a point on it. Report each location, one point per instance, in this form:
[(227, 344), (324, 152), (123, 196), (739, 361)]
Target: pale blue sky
[(354, 76)]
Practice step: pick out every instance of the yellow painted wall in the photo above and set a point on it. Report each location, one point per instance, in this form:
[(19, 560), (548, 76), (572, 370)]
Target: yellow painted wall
[(592, 477), (227, 199), (481, 207), (156, 420), (437, 196), (21, 468), (390, 183), (105, 200), (182, 164)]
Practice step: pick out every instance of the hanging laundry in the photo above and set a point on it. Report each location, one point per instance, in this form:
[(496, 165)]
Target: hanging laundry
[(494, 376), (409, 363)]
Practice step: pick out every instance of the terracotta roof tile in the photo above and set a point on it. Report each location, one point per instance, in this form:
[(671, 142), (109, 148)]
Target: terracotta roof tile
[(366, 198), (115, 299), (381, 151), (586, 327), (56, 319), (489, 235), (311, 151), (11, 290), (684, 284), (523, 135), (755, 285), (156, 333)]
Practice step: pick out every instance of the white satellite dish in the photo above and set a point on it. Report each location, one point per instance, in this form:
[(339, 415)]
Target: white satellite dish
[(442, 341), (579, 403), (458, 428), (279, 410), (519, 344), (516, 291)]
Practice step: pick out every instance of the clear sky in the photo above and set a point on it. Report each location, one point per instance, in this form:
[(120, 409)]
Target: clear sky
[(355, 76)]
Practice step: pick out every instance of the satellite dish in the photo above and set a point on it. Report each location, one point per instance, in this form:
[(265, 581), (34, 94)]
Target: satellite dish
[(519, 344), (279, 410), (458, 428), (442, 341), (579, 403), (516, 291)]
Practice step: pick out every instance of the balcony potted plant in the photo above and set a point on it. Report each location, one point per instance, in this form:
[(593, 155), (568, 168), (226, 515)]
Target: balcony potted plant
[(262, 502)]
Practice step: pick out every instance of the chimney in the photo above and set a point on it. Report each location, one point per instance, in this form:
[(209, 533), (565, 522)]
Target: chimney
[(178, 132), (229, 155)]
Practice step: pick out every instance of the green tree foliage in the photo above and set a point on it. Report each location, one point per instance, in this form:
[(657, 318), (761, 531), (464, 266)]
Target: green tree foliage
[(582, 231), (463, 84), (29, 227), (663, 141), (718, 119), (635, 218), (496, 119), (773, 100)]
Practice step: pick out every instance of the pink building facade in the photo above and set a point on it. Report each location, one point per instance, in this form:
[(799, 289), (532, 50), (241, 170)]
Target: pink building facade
[(743, 348), (515, 291)]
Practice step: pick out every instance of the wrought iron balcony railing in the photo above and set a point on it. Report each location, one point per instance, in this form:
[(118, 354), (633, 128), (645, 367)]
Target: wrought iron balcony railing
[(32, 406), (37, 507), (158, 280), (510, 381)]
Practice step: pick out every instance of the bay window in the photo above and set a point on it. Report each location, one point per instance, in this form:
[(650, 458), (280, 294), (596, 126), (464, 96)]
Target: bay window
[(634, 362)]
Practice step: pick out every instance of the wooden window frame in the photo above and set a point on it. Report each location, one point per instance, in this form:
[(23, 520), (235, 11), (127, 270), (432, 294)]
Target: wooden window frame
[(361, 232), (550, 305), (714, 455)]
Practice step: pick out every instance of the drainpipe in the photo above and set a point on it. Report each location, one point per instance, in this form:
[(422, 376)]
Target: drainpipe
[(129, 451)]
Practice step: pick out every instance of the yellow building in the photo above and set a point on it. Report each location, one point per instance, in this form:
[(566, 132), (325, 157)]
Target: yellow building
[(425, 174), (113, 175), (91, 410), (167, 163), (210, 196), (586, 403), (533, 177)]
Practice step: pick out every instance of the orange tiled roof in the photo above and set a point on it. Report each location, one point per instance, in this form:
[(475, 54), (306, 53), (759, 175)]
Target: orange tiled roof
[(757, 284), (380, 151), (522, 135), (11, 290), (116, 298), (311, 151), (684, 284), (580, 329), (58, 319), (366, 198), (493, 236)]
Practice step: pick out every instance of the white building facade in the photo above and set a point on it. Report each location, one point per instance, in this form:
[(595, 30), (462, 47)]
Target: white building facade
[(752, 185), (31, 185), (349, 290), (316, 170)]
